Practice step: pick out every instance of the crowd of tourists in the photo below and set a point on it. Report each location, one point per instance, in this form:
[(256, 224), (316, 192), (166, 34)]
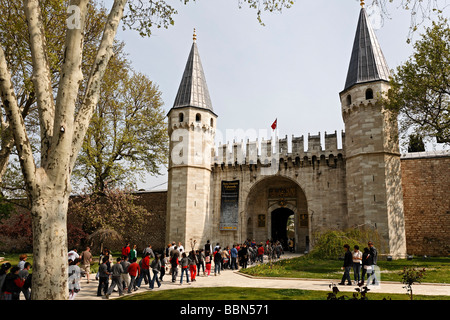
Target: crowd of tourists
[(363, 264), (131, 270)]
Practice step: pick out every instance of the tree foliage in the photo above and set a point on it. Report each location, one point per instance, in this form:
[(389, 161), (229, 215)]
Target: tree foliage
[(420, 87)]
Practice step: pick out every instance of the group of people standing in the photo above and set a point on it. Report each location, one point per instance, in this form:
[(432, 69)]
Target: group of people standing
[(363, 263), (15, 280)]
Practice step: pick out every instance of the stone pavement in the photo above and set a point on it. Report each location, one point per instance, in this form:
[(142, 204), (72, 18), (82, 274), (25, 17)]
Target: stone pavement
[(229, 278)]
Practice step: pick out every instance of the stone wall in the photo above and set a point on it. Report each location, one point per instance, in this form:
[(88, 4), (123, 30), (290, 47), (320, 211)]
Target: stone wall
[(156, 203), (426, 185)]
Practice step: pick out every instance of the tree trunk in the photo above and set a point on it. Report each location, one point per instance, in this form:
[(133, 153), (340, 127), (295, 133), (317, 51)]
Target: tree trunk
[(50, 267)]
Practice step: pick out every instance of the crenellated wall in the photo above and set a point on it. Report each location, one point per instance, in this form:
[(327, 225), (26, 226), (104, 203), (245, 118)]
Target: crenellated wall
[(255, 152)]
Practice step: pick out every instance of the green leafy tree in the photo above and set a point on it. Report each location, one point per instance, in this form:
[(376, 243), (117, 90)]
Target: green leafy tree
[(420, 88), (127, 134)]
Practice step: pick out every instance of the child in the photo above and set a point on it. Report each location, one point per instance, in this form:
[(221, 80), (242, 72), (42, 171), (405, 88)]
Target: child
[(184, 267), (208, 263)]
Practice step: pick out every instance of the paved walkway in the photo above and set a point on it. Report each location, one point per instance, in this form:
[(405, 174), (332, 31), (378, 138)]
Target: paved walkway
[(229, 278)]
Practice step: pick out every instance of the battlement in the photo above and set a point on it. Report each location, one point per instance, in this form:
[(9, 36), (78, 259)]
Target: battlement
[(255, 152)]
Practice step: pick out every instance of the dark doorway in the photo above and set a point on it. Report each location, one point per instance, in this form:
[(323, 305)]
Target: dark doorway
[(282, 225)]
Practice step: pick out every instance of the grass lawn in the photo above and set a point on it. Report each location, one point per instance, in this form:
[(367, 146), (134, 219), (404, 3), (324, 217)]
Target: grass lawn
[(437, 269), (236, 293)]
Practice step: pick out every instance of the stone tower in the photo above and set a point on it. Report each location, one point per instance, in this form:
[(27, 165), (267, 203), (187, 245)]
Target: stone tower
[(191, 128), (373, 175)]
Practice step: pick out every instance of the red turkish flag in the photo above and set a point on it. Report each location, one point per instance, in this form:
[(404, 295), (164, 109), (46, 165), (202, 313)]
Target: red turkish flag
[(274, 125)]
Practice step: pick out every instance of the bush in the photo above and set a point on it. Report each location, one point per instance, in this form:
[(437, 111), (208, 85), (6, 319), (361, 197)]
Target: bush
[(329, 244)]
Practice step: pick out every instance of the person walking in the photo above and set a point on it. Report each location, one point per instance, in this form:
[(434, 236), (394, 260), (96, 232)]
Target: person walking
[(116, 276), (25, 275), (357, 262), (145, 269), (234, 256), (164, 261), (184, 263), (125, 277), (374, 256), (103, 277), (347, 266), (174, 267), (207, 263), (3, 272), (74, 278), (156, 269), (192, 264), (134, 272), (86, 259), (12, 285), (133, 254), (365, 264), (200, 261), (217, 261)]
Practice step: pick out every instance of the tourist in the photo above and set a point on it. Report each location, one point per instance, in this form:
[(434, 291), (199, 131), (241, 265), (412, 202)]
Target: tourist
[(200, 261), (133, 254), (357, 261), (234, 255), (103, 277), (291, 245), (125, 275), (260, 255), (217, 260), (174, 266), (126, 250), (3, 272), (184, 263), (366, 264), (225, 258), (145, 270), (156, 269), (134, 272), (208, 247), (207, 263), (148, 251), (73, 254), (164, 261), (116, 276), (22, 259), (86, 259), (374, 256), (25, 275), (192, 264), (12, 285), (243, 256), (180, 247), (347, 266), (74, 278)]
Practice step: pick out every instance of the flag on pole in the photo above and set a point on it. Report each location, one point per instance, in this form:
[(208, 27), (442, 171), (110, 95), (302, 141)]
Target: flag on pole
[(274, 125)]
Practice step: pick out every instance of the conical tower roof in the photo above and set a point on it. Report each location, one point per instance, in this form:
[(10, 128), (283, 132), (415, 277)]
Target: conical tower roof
[(367, 62), (193, 91)]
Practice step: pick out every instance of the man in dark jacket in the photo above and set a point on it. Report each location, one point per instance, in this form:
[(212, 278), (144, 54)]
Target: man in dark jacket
[(348, 263), (374, 255)]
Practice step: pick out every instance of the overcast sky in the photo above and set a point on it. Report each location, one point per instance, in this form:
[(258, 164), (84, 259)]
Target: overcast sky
[(292, 69)]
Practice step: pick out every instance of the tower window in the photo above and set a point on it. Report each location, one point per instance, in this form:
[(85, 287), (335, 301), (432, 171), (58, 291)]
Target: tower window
[(212, 122), (369, 94), (198, 117), (349, 100), (181, 117)]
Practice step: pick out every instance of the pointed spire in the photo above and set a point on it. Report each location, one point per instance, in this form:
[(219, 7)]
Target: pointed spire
[(193, 91), (367, 62)]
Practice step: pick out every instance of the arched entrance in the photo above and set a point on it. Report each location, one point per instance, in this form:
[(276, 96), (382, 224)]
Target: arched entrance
[(283, 225), (270, 204)]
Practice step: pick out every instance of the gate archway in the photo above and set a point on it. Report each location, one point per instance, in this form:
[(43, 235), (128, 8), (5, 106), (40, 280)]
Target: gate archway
[(270, 202)]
